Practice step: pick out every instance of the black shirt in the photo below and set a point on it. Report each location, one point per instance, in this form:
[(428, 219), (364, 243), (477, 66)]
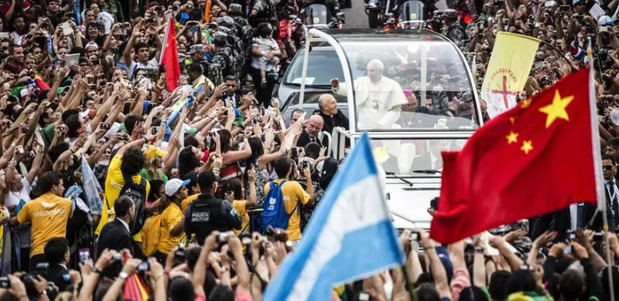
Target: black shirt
[(339, 119)]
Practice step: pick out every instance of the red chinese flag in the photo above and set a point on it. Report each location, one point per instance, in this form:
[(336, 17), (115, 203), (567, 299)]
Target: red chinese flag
[(169, 58), (533, 159)]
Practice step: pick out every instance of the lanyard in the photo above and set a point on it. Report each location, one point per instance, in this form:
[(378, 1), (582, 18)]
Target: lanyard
[(611, 187)]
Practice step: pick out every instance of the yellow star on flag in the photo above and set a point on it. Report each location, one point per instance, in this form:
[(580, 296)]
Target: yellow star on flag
[(527, 146), (512, 138), (556, 109), (525, 103)]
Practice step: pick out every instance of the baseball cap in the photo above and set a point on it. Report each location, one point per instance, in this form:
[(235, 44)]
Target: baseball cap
[(196, 48), (92, 44), (174, 185), (192, 177), (605, 20)]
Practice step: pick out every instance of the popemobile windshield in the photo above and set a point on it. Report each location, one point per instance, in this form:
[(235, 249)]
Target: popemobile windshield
[(412, 91)]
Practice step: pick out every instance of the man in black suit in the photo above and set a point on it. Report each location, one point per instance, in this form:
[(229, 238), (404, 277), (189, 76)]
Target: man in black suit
[(612, 149), (332, 116), (312, 129), (610, 195), (57, 254), (115, 235)]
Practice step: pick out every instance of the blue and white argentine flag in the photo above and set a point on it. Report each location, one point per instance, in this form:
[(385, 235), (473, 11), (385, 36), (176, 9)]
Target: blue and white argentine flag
[(349, 236)]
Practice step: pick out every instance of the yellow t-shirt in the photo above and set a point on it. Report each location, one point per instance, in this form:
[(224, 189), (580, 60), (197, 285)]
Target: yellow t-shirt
[(170, 217), (188, 201), (114, 183), (241, 207), (293, 194), (49, 215)]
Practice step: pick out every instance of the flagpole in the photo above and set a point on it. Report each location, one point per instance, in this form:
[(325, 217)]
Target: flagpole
[(165, 40), (597, 159)]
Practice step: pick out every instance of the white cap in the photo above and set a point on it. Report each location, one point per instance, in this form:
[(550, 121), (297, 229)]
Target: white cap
[(605, 20), (174, 185)]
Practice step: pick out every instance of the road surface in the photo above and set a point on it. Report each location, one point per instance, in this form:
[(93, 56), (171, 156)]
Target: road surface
[(356, 17)]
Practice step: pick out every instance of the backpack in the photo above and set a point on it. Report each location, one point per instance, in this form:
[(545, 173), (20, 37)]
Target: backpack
[(274, 212), (137, 193)]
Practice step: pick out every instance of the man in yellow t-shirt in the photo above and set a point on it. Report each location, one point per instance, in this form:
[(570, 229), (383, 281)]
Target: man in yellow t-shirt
[(293, 193), (233, 193), (49, 214), (129, 160), (171, 218)]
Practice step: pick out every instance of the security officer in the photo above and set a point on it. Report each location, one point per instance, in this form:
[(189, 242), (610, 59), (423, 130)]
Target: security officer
[(223, 61), (196, 52), (208, 213), (244, 30), (455, 31), (263, 11)]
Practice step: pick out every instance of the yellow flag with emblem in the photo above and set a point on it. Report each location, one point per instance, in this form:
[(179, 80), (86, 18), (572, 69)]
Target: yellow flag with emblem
[(508, 70)]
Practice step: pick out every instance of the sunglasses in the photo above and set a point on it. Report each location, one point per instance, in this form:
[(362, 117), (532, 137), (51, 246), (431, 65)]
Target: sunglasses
[(608, 167)]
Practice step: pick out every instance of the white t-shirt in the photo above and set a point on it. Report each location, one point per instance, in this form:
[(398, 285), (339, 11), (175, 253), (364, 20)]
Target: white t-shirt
[(265, 46), (135, 65), (12, 198)]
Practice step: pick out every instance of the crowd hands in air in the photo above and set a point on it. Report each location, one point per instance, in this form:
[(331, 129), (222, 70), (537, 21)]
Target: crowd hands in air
[(104, 122)]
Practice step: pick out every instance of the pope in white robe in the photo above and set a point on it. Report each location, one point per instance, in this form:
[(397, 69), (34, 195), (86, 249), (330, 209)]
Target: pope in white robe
[(378, 98)]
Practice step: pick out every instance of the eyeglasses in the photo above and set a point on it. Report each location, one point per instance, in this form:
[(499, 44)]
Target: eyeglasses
[(608, 167)]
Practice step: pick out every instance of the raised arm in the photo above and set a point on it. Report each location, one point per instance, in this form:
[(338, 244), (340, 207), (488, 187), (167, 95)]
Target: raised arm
[(199, 271)]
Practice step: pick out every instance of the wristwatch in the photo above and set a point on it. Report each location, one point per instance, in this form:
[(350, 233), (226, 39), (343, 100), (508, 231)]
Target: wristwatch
[(123, 275)]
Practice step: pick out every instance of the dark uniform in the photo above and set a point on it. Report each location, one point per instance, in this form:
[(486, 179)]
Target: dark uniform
[(223, 62), (207, 214)]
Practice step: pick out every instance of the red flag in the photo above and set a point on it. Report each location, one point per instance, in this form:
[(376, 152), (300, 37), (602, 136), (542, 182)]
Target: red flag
[(533, 159), (169, 58)]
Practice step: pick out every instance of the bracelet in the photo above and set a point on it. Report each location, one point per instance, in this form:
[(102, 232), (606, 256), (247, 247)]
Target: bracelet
[(166, 272), (96, 270)]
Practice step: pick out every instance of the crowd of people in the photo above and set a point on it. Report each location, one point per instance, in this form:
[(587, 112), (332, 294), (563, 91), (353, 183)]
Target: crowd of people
[(202, 191)]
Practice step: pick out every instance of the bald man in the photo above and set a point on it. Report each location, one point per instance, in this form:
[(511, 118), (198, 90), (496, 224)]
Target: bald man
[(378, 98), (331, 115), (313, 127)]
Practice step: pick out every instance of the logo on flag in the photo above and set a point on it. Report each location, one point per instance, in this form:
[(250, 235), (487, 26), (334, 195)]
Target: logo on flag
[(508, 70)]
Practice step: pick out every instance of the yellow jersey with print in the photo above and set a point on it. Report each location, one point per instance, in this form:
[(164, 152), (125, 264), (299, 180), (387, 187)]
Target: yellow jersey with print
[(241, 207), (114, 183), (170, 217), (188, 201), (294, 196), (49, 215)]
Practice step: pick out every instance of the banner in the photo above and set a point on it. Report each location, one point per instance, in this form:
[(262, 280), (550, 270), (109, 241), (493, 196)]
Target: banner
[(508, 70)]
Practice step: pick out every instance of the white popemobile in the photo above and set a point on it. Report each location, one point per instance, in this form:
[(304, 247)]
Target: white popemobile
[(413, 92)]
